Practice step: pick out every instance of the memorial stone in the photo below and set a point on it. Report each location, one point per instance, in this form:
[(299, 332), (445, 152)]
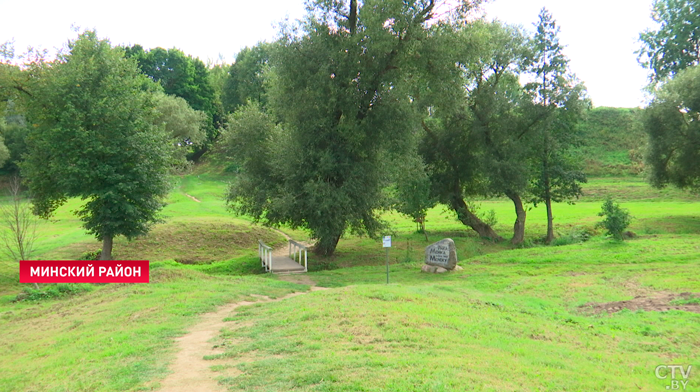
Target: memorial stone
[(442, 254)]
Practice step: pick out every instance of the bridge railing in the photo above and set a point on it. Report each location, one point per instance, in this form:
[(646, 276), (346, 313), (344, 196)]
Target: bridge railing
[(295, 250), (265, 253)]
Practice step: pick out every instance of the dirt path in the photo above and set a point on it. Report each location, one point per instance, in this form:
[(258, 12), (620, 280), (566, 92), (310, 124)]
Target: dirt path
[(190, 371), (193, 198)]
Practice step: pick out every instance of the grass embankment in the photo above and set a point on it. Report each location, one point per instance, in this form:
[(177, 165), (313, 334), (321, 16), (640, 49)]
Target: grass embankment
[(512, 320)]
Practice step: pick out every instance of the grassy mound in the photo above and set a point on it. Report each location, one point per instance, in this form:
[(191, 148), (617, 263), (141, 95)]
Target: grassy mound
[(185, 241)]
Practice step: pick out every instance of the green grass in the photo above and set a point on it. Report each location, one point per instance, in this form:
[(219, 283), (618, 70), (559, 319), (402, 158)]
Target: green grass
[(510, 321), (514, 319), (117, 337)]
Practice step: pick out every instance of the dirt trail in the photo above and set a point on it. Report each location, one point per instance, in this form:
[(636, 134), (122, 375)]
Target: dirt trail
[(191, 371), (193, 198)]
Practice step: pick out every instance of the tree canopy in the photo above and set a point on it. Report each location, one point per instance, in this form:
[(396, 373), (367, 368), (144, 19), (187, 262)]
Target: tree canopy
[(671, 121), (185, 77), (246, 77), (675, 44), (339, 88), (560, 101), (93, 137)]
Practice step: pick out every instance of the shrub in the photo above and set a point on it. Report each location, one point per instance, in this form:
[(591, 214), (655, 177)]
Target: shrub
[(575, 236), (91, 255), (616, 219), (53, 291)]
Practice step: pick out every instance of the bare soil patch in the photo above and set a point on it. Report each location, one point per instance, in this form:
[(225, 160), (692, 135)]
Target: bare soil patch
[(299, 279), (659, 302), (190, 371), (193, 198)]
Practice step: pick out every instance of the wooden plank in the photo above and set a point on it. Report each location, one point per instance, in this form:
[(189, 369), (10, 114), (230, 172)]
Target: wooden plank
[(285, 264)]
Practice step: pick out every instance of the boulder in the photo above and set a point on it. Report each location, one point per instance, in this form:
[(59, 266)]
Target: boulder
[(442, 254), (431, 269)]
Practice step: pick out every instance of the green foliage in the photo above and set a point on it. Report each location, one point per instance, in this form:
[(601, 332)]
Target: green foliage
[(341, 97), (616, 219), (92, 137), (560, 102), (574, 236), (471, 145), (245, 79), (675, 44), (255, 144), (489, 217), (672, 123), (4, 151), (183, 76), (13, 130), (184, 125), (412, 190), (54, 291), (91, 255)]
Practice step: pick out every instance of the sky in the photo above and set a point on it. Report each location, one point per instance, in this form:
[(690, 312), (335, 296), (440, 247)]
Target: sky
[(600, 35)]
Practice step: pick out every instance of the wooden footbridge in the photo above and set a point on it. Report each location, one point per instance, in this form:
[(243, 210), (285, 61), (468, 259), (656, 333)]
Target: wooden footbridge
[(276, 261)]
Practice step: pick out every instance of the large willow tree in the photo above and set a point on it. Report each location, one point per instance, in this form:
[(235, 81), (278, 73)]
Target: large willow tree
[(339, 87)]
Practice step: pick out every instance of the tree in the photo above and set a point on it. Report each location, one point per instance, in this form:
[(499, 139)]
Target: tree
[(19, 225), (560, 101), (184, 125), (616, 219), (246, 76), (339, 87), (253, 140), (671, 121), (13, 132), (93, 138), (497, 102), (9, 88), (186, 77), (474, 142), (4, 151), (412, 191), (675, 45)]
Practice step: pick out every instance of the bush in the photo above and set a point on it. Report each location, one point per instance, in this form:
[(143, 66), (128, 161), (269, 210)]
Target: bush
[(575, 236), (53, 291), (91, 255), (616, 219)]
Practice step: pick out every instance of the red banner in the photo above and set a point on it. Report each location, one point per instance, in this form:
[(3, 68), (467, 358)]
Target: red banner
[(77, 271)]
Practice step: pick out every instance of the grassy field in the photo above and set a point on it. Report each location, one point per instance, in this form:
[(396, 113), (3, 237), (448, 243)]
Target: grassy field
[(513, 319), (496, 326)]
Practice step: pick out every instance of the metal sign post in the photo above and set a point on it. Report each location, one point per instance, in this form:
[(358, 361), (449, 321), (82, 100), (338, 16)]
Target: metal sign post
[(387, 244)]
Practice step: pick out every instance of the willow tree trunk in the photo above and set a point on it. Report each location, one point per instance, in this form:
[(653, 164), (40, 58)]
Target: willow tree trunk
[(550, 220), (468, 218), (325, 246), (106, 253), (519, 226)]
